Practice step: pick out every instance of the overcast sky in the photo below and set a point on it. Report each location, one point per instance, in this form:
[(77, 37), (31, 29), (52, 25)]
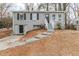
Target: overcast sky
[(18, 6)]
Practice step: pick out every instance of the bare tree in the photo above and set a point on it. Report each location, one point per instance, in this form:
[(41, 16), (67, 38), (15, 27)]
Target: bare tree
[(71, 13), (29, 6), (3, 9)]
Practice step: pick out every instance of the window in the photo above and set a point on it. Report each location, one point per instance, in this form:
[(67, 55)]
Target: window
[(53, 16), (34, 16), (37, 16), (21, 17), (36, 25), (18, 16), (76, 22), (24, 16), (31, 16)]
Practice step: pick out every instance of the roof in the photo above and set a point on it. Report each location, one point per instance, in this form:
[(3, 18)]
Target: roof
[(38, 11)]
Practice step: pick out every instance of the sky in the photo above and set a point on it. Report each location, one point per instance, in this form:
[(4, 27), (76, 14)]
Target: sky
[(19, 6)]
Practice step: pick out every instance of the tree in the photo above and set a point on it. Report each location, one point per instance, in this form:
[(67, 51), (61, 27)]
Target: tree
[(45, 6), (29, 6), (4, 14), (65, 5), (4, 7)]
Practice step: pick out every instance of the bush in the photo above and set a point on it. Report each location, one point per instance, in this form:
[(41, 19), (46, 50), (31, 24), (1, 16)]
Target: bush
[(58, 25), (42, 26), (7, 22), (72, 27), (1, 25)]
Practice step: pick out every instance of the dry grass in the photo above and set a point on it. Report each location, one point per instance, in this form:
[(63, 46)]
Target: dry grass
[(61, 42), (5, 33)]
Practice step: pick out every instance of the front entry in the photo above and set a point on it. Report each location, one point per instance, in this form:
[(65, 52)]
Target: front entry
[(21, 28), (47, 17)]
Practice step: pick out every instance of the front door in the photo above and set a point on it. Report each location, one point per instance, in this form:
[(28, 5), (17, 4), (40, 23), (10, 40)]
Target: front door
[(21, 28), (47, 17)]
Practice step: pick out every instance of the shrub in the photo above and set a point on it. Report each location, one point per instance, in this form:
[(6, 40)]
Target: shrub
[(1, 25), (7, 22), (58, 25)]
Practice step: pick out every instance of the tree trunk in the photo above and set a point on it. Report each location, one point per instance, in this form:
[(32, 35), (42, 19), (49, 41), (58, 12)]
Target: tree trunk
[(65, 21)]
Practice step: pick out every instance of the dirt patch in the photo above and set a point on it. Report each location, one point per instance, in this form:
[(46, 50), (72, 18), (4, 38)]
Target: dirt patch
[(61, 42), (5, 33), (31, 34)]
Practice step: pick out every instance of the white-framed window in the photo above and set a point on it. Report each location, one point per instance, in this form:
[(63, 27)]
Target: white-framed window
[(21, 16), (53, 16), (34, 16)]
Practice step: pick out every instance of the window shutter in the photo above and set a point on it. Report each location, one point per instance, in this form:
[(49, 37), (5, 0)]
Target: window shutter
[(18, 16), (37, 16)]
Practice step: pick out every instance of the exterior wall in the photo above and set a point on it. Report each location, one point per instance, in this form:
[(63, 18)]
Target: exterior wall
[(28, 24), (56, 21), (16, 29)]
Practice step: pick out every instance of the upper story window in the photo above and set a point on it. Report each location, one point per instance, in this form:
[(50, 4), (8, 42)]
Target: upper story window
[(21, 16)]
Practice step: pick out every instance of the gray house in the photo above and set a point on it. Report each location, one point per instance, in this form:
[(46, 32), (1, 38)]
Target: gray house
[(24, 21)]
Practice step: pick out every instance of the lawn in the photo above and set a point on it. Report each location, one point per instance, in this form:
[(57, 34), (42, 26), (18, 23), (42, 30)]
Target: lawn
[(61, 42)]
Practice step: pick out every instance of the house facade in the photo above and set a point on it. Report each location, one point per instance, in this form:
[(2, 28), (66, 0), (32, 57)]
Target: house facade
[(24, 21)]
